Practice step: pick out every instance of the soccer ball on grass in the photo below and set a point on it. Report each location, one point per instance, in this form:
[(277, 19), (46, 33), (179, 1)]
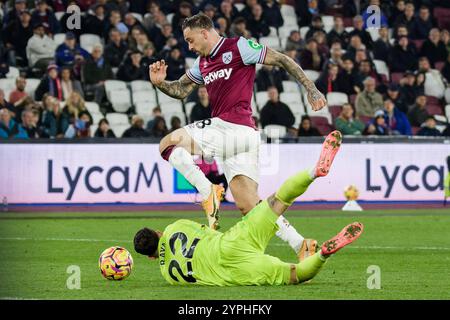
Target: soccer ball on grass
[(115, 263)]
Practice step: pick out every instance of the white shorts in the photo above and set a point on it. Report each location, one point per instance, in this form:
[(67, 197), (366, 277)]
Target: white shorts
[(234, 146)]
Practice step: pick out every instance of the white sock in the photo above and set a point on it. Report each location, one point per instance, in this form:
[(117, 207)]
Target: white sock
[(182, 160), (288, 234)]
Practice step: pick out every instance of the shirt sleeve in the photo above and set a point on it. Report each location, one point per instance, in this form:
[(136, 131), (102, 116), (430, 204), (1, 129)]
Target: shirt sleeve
[(251, 51), (194, 72)]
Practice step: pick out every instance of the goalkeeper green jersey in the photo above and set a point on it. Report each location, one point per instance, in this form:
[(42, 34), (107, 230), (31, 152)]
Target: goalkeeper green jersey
[(192, 253)]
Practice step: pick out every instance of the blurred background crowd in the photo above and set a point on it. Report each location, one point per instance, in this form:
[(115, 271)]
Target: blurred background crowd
[(92, 81)]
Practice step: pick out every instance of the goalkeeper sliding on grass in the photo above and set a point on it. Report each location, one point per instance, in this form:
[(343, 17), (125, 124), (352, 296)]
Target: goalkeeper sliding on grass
[(191, 253)]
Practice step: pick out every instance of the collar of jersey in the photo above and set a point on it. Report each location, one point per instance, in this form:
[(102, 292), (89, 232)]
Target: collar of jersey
[(216, 48)]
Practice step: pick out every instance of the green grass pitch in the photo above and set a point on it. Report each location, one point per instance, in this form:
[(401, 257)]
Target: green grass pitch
[(411, 248)]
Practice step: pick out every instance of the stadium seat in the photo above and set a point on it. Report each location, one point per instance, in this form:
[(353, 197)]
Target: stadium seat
[(274, 131), (396, 77), (261, 98), (285, 31), (322, 124), (113, 85), (144, 109), (440, 119), (442, 16), (170, 17), (447, 95), (352, 99), (93, 128), (349, 29), (31, 86), (171, 107), (373, 33), (13, 73), (273, 32), (138, 16), (290, 97), (117, 119), (271, 42), (439, 65), (88, 41), (239, 6), (59, 14), (120, 100), (447, 112), (188, 106), (434, 109), (287, 11), (433, 100), (59, 38), (141, 85), (336, 98), (335, 111), (415, 130), (290, 86), (381, 68), (254, 105), (418, 43), (7, 85), (96, 117), (92, 107), (189, 62), (328, 22), (119, 129), (304, 31), (312, 75), (164, 98), (365, 119), (144, 96)]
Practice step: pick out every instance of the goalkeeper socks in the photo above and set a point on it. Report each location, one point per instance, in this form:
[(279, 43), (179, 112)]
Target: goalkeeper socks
[(287, 233), (182, 160), (293, 187), (310, 267)]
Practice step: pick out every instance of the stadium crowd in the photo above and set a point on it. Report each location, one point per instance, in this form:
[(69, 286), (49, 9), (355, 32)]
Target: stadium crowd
[(92, 80)]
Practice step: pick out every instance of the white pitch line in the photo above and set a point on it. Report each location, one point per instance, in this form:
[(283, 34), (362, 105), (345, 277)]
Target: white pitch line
[(272, 244), (18, 298)]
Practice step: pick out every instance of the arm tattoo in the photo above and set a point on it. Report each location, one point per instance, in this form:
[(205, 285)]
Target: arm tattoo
[(178, 89), (279, 59)]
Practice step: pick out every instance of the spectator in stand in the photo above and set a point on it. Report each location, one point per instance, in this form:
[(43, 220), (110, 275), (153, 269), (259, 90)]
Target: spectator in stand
[(141, 41), (80, 128), (50, 122), (14, 14), (403, 56), (159, 129), (223, 27), (396, 120), (275, 111), (228, 11), (246, 13), (96, 23), (305, 10), (148, 58), (176, 64), (44, 14), (30, 120), (382, 46), (446, 69), (406, 18), (9, 128), (154, 9), (5, 104), (137, 128), (51, 84), (210, 11), (377, 126), (329, 81), (175, 123), (306, 129), (272, 13), (409, 88), (131, 21), (347, 124), (349, 78), (115, 19), (322, 45), (95, 72), (336, 54), (185, 10), (316, 25), (398, 10), (310, 57), (269, 76), (16, 36), (69, 84), (164, 36), (433, 48), (103, 130), (366, 69), (422, 24), (295, 41), (257, 24), (429, 128), (434, 83), (74, 106), (354, 45), (393, 93), (70, 53), (131, 69), (445, 38), (202, 109), (418, 113), (338, 32), (19, 93), (239, 28), (40, 48), (368, 100), (116, 49), (366, 39), (156, 112)]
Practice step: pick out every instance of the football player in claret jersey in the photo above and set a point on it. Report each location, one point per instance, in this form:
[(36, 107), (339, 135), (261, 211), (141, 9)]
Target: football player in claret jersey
[(193, 253), (226, 67)]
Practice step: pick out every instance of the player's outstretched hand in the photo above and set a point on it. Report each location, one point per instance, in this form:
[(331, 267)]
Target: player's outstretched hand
[(316, 99), (157, 72)]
